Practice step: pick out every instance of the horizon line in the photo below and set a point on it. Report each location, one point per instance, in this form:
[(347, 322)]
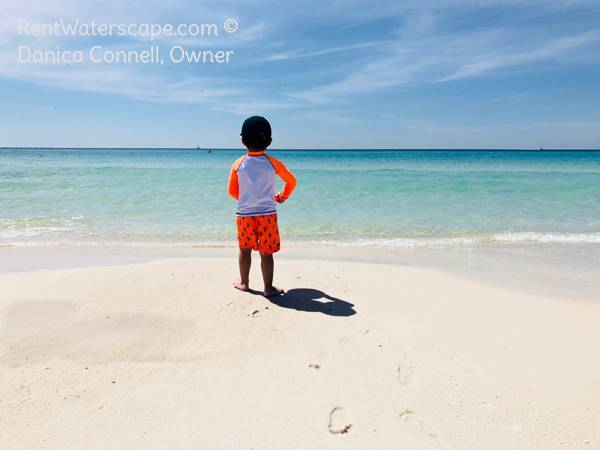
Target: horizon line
[(483, 149)]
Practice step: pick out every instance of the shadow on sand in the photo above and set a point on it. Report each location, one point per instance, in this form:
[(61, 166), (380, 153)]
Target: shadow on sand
[(312, 300)]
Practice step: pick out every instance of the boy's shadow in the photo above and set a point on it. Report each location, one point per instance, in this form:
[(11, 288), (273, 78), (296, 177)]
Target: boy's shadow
[(312, 300)]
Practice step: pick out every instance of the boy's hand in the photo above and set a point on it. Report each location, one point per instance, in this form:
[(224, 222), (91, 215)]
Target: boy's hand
[(279, 198)]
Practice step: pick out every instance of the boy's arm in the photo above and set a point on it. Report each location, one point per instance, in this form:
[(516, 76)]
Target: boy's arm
[(287, 176), (233, 187)]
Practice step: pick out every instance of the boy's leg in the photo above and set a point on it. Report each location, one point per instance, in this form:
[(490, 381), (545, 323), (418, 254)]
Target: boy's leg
[(267, 265), (245, 261)]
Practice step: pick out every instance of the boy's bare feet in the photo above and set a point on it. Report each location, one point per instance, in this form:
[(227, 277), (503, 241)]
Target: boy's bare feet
[(272, 291), (241, 286)]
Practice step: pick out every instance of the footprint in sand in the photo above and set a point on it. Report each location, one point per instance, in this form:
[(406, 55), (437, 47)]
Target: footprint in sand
[(415, 424), (406, 415), (406, 371), (343, 341), (340, 421)]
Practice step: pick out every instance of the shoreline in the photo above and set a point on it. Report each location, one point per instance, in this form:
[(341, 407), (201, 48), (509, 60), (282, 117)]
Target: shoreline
[(560, 271)]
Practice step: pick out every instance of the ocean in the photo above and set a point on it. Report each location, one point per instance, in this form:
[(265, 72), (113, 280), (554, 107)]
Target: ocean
[(366, 198)]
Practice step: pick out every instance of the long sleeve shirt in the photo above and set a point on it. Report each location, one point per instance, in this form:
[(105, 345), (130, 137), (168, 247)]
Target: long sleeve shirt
[(252, 183)]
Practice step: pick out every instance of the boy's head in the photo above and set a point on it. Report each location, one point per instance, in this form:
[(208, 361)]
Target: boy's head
[(256, 133)]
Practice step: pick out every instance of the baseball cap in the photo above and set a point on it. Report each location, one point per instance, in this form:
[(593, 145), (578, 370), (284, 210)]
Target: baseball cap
[(256, 127)]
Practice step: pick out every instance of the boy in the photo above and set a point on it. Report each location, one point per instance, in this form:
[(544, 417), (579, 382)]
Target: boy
[(252, 184)]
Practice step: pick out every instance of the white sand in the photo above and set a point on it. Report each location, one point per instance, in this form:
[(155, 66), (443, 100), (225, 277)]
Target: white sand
[(167, 355)]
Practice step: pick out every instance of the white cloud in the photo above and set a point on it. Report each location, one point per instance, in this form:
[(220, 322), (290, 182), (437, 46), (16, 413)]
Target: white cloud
[(134, 81), (506, 98), (326, 51), (443, 58), (548, 51)]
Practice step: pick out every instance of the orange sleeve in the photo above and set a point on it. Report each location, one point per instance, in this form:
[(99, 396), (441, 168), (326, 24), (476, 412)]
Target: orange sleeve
[(287, 176), (233, 187)]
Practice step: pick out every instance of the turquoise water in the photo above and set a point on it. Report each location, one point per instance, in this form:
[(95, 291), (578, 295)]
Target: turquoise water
[(370, 198)]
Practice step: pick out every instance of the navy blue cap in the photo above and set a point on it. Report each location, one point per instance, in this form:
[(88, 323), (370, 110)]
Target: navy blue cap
[(256, 126)]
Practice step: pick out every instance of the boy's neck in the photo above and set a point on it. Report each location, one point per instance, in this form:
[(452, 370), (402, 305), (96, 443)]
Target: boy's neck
[(255, 152)]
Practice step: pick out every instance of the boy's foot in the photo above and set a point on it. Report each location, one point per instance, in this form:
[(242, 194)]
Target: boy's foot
[(273, 291), (241, 286)]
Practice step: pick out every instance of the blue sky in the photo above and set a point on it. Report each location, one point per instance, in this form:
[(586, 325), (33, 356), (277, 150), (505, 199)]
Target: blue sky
[(334, 74)]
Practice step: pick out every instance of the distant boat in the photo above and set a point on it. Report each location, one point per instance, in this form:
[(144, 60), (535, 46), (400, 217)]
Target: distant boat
[(209, 151)]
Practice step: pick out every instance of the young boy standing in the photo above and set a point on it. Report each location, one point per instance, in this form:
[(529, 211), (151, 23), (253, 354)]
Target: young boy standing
[(252, 184)]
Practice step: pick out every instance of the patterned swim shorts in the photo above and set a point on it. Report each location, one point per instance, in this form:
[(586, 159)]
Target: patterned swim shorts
[(259, 233)]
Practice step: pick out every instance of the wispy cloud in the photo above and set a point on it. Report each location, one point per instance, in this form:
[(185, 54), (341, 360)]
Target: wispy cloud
[(326, 51), (445, 58), (547, 51), (506, 98), (174, 84)]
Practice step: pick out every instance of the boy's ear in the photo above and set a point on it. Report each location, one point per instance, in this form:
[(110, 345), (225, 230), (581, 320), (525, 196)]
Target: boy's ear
[(270, 141)]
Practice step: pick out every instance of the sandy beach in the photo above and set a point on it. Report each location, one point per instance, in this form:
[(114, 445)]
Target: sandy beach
[(165, 354)]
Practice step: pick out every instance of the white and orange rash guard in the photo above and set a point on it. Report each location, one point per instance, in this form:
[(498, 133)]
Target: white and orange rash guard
[(252, 183)]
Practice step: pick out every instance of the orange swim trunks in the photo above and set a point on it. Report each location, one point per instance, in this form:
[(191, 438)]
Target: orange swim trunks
[(259, 233)]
